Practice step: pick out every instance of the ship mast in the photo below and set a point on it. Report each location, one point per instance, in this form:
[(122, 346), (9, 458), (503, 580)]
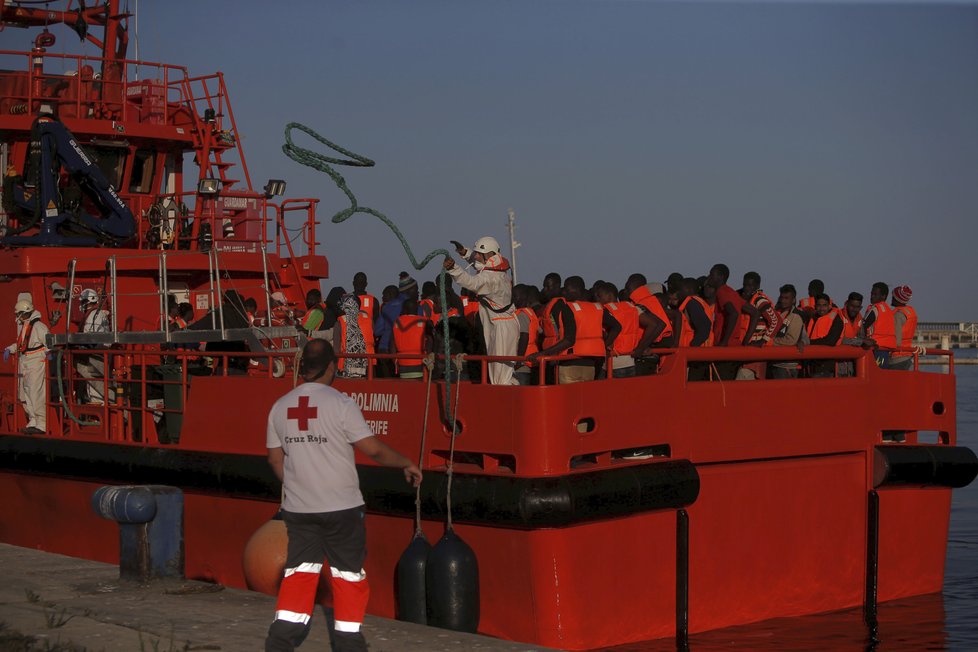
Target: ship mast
[(513, 244)]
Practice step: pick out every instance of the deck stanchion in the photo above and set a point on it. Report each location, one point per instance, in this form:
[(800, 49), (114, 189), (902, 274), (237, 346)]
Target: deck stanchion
[(872, 563), (682, 580)]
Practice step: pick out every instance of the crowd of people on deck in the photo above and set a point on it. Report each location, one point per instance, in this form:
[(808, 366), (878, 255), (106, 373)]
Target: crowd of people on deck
[(562, 332), (586, 333)]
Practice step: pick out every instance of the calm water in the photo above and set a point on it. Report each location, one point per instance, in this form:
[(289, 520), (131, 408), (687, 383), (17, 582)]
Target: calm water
[(947, 621)]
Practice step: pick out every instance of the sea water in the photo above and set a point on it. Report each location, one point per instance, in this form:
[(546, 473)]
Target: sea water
[(941, 621)]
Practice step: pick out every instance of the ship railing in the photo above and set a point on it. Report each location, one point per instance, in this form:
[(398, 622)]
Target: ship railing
[(83, 89), (144, 391), (306, 230)]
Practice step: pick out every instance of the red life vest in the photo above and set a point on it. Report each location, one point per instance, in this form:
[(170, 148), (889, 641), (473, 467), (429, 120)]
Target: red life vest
[(626, 314), (820, 326), (409, 338), (534, 330), (588, 340), (647, 300), (687, 333)]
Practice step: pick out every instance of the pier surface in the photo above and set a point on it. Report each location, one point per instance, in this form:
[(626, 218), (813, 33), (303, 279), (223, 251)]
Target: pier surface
[(52, 602)]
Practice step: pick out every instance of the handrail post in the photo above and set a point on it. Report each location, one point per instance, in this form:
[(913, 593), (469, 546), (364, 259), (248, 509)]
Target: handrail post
[(164, 296), (115, 301)]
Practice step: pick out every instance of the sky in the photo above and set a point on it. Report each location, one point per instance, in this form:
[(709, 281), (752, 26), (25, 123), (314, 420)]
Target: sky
[(834, 140)]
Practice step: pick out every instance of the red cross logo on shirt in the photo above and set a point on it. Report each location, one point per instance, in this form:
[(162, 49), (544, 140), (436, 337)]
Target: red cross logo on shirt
[(302, 413)]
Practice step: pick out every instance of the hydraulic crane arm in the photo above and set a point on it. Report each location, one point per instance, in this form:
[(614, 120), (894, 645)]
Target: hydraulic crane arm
[(51, 143)]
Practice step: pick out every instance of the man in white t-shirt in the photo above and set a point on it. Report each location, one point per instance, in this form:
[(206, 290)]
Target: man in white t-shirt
[(311, 434)]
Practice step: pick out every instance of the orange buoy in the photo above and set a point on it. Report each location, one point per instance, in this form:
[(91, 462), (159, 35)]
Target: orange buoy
[(264, 559)]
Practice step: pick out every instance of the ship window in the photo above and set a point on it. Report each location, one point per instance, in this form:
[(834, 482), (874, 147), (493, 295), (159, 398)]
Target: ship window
[(112, 162), (141, 180)]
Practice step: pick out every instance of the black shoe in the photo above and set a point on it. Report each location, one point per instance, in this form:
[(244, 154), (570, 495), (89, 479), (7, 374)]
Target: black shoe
[(33, 431)]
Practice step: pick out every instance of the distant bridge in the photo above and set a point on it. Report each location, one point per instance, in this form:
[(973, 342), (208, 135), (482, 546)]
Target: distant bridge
[(947, 333)]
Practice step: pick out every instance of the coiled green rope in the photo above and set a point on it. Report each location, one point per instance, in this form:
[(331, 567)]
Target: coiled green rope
[(324, 164)]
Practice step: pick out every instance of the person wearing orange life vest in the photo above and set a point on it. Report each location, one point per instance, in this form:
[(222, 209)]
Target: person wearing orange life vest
[(807, 305), (877, 300), (756, 332), (348, 338), (368, 304), (825, 329), (621, 341), (655, 320), (494, 287), (526, 298), (896, 329), (572, 328), (31, 350), (695, 325), (412, 335)]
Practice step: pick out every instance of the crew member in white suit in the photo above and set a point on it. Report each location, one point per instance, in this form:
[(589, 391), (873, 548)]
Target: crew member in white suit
[(31, 351), (494, 286)]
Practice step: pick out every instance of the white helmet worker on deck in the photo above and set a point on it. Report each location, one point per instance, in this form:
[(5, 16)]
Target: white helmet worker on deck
[(494, 286), (88, 296), (487, 245), (23, 308), (30, 347)]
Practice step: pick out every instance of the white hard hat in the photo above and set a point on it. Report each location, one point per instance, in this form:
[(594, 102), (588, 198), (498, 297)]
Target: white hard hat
[(88, 296), (486, 245), (23, 306)]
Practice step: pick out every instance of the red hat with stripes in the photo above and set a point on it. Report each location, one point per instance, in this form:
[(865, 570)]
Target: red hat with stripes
[(902, 293)]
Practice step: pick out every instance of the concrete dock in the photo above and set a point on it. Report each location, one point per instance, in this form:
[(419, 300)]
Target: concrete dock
[(56, 603)]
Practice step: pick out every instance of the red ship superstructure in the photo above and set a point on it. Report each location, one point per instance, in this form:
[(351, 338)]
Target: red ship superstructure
[(138, 189)]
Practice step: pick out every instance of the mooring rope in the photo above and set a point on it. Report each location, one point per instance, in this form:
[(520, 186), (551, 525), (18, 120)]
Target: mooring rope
[(324, 164)]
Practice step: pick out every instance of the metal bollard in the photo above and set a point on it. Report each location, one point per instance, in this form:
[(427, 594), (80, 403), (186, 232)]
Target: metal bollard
[(150, 519)]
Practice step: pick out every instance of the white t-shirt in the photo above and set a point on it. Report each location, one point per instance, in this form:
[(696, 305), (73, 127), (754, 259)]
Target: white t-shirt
[(315, 426)]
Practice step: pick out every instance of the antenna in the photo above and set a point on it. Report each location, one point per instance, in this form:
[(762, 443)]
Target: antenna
[(513, 244)]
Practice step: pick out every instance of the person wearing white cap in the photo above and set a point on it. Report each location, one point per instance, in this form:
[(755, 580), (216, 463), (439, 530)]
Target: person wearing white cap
[(496, 312), (31, 350), (95, 319)]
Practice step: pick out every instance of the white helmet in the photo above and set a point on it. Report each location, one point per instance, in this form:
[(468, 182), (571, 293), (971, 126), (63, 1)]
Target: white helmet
[(23, 306), (88, 296), (486, 245)]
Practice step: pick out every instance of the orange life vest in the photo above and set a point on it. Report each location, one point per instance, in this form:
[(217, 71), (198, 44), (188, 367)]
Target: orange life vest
[(884, 328), (647, 300), (808, 303), (363, 321), (850, 327), (820, 326), (436, 316), (367, 303), (470, 307), (24, 338), (552, 333), (743, 321), (427, 307), (534, 330), (409, 338), (588, 340), (686, 335), (626, 314)]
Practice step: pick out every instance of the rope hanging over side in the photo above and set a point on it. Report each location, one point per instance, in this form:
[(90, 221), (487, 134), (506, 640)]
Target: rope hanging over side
[(324, 164)]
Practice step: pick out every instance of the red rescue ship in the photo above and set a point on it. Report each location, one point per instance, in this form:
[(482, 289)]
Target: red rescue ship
[(579, 544)]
